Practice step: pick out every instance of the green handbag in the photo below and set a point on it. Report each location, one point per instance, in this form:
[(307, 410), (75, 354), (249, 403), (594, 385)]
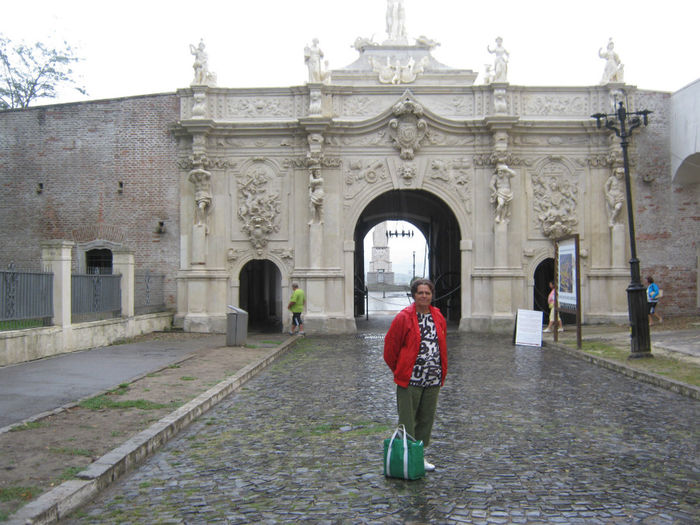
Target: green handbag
[(403, 456)]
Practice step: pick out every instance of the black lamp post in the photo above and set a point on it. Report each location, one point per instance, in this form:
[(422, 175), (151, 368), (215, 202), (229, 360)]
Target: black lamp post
[(623, 123)]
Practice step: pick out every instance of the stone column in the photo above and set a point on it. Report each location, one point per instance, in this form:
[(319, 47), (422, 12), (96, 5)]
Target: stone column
[(500, 255), (123, 263), (56, 258), (617, 245)]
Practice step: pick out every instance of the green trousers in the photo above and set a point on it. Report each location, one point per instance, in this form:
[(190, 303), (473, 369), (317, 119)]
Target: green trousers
[(416, 407)]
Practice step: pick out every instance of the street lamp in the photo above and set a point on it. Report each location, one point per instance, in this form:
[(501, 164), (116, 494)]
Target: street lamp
[(623, 123)]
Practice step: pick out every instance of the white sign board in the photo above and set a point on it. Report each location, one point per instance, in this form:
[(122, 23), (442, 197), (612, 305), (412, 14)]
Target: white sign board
[(528, 328)]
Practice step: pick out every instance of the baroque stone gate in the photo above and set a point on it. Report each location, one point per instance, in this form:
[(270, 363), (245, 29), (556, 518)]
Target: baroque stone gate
[(281, 185)]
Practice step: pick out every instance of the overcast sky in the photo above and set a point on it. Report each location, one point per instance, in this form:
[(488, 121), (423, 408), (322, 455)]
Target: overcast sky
[(141, 47)]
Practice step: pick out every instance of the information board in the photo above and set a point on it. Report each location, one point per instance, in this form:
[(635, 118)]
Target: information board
[(528, 328)]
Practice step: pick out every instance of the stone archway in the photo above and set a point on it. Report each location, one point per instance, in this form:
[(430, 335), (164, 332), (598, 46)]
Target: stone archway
[(260, 294), (438, 224)]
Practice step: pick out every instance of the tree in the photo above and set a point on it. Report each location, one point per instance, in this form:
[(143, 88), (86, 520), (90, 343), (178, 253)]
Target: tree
[(30, 73)]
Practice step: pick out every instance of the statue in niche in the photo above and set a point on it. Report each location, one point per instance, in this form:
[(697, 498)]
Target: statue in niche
[(313, 57), (615, 195), (396, 21), (316, 194), (500, 61), (501, 192), (614, 69), (202, 76)]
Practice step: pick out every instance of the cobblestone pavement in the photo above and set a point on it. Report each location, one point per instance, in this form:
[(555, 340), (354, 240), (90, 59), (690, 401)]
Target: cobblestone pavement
[(523, 435)]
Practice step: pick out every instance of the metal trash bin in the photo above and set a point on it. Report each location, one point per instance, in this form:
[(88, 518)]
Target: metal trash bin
[(236, 327)]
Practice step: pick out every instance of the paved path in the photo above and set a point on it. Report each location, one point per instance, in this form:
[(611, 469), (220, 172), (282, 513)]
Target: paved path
[(32, 388), (523, 435)]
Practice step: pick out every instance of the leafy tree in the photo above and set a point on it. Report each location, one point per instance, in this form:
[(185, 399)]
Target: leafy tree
[(30, 73)]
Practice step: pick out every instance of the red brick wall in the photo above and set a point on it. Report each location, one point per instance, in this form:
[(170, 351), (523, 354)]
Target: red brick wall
[(667, 216), (79, 153)]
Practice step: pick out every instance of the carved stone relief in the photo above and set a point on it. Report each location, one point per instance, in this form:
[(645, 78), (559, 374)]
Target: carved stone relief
[(360, 173), (260, 107), (396, 72), (258, 204), (407, 129), (555, 200), (457, 174), (555, 105)]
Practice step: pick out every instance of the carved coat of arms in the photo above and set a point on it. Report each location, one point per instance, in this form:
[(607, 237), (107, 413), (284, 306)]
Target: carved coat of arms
[(407, 129)]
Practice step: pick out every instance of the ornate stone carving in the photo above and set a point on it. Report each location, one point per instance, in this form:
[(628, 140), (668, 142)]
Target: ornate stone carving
[(315, 100), (397, 73), (313, 57), (395, 23), (501, 192), (407, 172), (408, 128), (615, 195), (360, 173), (458, 174), (500, 62), (202, 75), (555, 105), (260, 107), (258, 206), (555, 201), (201, 178), (500, 106), (316, 194), (614, 68)]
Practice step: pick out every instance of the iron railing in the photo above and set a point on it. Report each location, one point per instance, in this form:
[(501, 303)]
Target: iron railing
[(26, 299), (96, 296), (149, 294)]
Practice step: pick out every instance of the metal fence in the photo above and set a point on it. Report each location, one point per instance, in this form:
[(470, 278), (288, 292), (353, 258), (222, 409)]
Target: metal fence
[(95, 297), (149, 294), (26, 299)]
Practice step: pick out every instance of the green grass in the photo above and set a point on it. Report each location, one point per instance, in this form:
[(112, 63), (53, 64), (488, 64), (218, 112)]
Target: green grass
[(72, 451), (19, 493), (70, 473), (188, 378), (105, 401), (682, 371), (28, 426)]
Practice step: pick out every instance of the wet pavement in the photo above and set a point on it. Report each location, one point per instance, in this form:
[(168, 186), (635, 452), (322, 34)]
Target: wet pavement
[(522, 435)]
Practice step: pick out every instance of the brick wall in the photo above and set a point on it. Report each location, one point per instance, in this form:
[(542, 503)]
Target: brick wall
[(80, 153), (667, 216)]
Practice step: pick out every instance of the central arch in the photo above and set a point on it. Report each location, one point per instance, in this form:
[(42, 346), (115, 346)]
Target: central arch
[(438, 224)]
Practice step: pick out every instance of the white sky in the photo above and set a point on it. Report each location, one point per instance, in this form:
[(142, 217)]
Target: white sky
[(401, 249), (142, 47)]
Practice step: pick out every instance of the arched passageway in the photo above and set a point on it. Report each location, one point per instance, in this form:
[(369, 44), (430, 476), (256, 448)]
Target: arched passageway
[(438, 224), (261, 295)]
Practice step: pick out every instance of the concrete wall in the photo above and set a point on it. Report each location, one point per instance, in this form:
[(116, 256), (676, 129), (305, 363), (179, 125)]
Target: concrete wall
[(79, 153), (17, 346), (685, 134)]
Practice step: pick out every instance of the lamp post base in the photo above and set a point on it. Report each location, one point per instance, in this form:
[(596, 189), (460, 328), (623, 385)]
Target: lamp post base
[(639, 321)]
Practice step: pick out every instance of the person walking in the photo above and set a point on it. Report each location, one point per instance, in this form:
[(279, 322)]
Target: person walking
[(296, 306), (415, 348), (550, 301), (653, 296)]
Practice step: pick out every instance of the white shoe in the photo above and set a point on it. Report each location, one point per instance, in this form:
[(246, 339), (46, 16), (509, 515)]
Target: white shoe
[(429, 467), (561, 330), (546, 330)]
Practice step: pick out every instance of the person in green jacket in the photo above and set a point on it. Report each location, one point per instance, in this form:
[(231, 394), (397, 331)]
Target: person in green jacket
[(296, 306)]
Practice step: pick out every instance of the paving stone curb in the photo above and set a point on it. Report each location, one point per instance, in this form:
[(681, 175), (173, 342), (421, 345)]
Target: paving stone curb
[(70, 495), (678, 387)]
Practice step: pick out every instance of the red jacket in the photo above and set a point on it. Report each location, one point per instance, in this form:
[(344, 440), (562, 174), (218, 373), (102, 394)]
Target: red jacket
[(402, 343)]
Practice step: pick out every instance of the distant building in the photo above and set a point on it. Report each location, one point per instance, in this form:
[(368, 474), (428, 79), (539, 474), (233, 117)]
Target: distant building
[(380, 265)]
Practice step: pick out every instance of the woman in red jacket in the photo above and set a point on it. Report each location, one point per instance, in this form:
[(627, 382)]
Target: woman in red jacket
[(415, 348)]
